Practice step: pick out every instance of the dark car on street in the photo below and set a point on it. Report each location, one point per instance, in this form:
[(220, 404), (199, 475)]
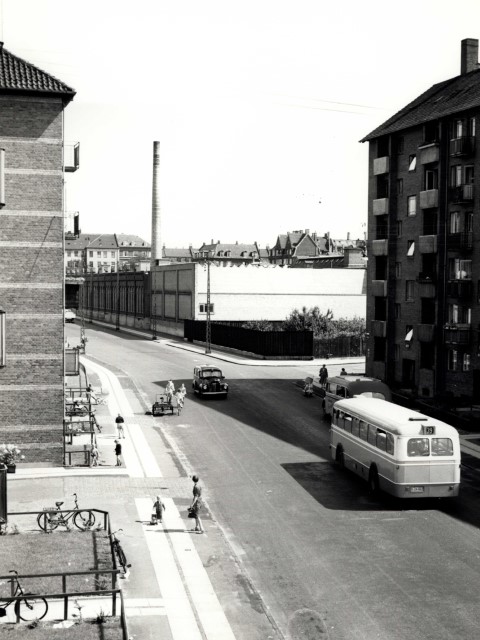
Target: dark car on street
[(208, 381)]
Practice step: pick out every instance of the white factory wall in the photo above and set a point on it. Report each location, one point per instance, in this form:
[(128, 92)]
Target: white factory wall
[(271, 293)]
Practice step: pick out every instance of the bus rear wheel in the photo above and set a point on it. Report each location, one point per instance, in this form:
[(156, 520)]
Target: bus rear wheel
[(373, 482)]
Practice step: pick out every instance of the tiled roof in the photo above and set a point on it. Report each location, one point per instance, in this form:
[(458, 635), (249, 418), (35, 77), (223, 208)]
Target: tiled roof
[(169, 252), (20, 76), (125, 239), (235, 250), (95, 240), (443, 99)]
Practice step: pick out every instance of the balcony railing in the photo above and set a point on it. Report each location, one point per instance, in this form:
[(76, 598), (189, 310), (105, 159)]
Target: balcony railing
[(460, 288), (463, 146), (71, 157), (379, 288), (379, 247), (426, 332), (457, 334), (427, 244), (379, 328), (427, 276), (380, 206), (462, 241), (381, 166), (462, 193), (429, 199), (429, 152)]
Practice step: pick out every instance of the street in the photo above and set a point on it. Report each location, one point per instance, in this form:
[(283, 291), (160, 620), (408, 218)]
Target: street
[(325, 558)]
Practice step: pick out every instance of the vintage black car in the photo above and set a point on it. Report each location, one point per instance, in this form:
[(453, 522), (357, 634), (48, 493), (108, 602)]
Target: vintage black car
[(209, 380)]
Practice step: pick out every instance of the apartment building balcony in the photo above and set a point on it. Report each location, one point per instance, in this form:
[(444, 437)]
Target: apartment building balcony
[(381, 165), (457, 334), (462, 289), (380, 247), (379, 328), (429, 153), (429, 199), (426, 332), (460, 241), (379, 288), (462, 193), (427, 244), (426, 284), (380, 207), (463, 146), (71, 157)]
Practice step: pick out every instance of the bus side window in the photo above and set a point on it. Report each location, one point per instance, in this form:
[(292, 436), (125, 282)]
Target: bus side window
[(381, 440), (355, 427), (348, 423), (372, 434), (341, 391), (340, 421), (390, 445), (363, 430), (331, 387)]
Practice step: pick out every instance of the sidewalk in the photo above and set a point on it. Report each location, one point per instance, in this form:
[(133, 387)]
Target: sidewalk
[(169, 593)]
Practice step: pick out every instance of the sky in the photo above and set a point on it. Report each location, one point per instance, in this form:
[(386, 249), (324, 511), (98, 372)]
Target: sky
[(258, 105)]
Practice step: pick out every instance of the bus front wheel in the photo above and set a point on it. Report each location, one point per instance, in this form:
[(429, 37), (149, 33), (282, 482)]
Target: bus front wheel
[(373, 483)]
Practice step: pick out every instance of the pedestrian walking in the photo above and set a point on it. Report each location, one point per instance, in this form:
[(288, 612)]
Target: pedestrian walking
[(170, 390), (119, 421), (158, 509), (197, 504), (323, 374), (118, 453), (94, 455)]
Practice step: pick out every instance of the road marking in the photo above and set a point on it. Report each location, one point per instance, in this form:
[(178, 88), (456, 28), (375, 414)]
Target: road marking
[(144, 453), (181, 617)]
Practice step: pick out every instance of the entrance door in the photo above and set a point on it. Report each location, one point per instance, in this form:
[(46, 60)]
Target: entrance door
[(408, 373)]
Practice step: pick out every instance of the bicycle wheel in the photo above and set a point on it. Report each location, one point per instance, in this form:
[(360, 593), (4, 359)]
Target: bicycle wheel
[(84, 520), (45, 523), (122, 558), (31, 608)]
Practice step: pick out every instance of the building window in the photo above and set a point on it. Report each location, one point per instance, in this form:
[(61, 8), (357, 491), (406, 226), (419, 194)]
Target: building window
[(203, 308), (399, 228), (458, 314), (452, 360), (427, 355), (99, 254), (398, 270), (412, 162), (454, 222), (90, 254), (431, 179), (456, 175), (408, 335), (379, 349), (112, 254), (400, 186), (412, 205), (400, 144), (410, 290), (466, 362), (459, 269), (411, 248), (397, 310), (380, 309)]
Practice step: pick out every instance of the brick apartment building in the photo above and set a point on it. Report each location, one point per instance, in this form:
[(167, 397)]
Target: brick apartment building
[(423, 311), (32, 104)]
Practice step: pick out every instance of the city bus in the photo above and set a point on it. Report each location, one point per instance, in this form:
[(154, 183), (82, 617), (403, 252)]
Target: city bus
[(396, 450), (351, 386)]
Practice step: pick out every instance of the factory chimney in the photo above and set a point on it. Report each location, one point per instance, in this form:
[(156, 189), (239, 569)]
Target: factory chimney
[(156, 251)]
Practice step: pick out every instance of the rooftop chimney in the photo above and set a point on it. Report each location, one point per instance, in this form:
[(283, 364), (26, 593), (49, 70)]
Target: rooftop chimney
[(156, 248), (469, 57)]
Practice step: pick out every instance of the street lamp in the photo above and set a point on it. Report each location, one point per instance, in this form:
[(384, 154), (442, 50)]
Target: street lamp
[(208, 336)]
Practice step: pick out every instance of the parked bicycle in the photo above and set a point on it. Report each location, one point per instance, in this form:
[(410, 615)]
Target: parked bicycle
[(30, 607), (51, 518), (119, 552)]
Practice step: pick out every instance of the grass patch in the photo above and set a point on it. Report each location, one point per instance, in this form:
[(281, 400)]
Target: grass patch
[(57, 552), (110, 630)]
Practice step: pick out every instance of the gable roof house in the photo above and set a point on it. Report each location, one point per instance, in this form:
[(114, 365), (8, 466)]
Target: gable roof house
[(32, 173)]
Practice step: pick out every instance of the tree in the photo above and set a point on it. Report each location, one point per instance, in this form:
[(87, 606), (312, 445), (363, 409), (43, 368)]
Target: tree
[(258, 325), (309, 320)]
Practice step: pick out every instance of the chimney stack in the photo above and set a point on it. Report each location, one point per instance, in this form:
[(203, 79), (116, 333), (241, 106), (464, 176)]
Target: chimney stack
[(469, 56), (156, 250)]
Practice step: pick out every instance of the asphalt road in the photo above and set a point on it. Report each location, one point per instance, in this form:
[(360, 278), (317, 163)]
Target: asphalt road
[(327, 559)]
